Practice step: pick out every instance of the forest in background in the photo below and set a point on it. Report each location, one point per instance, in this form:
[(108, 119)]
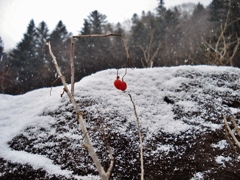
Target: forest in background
[(167, 37)]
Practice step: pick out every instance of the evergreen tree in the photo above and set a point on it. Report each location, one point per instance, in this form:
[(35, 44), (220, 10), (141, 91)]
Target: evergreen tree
[(137, 39), (218, 10), (119, 29), (7, 79), (116, 49), (86, 27), (42, 36), (135, 19), (171, 36), (23, 59), (161, 8), (193, 31), (92, 53), (198, 10), (60, 42), (43, 57), (42, 33), (97, 20), (1, 47)]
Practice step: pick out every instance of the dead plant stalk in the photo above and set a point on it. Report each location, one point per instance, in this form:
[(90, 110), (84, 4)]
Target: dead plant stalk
[(87, 141), (140, 137)]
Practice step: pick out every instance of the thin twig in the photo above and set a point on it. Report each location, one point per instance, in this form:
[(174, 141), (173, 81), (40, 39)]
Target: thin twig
[(140, 138), (52, 85), (72, 65)]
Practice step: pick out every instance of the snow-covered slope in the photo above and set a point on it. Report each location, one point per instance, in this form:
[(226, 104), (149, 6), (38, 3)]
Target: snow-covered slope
[(176, 107)]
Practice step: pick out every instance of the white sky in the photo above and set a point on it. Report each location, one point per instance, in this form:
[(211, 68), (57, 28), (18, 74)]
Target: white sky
[(15, 15)]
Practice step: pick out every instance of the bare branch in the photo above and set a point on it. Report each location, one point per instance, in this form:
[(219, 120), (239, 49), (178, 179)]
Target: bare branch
[(148, 57), (144, 54), (96, 35)]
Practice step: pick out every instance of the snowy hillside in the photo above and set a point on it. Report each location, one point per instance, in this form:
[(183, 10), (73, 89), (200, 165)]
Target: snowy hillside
[(181, 114)]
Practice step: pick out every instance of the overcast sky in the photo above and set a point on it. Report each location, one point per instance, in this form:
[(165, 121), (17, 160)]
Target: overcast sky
[(15, 15)]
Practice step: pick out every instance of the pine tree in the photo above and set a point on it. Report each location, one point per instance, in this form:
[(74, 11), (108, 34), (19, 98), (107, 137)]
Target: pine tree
[(198, 10), (42, 33), (23, 59), (97, 20), (116, 52), (8, 80), (86, 27), (60, 43), (43, 58), (91, 53), (218, 10), (137, 39), (193, 31), (161, 8), (1, 47)]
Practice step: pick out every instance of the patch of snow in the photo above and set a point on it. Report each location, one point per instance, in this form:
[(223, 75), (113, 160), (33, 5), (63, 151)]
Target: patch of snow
[(234, 110), (221, 160), (198, 176), (221, 144), (165, 149)]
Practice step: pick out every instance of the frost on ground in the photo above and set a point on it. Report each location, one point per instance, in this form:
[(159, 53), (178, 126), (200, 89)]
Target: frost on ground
[(181, 114)]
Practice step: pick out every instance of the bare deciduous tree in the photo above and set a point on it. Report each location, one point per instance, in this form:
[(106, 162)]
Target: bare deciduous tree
[(224, 49), (147, 51)]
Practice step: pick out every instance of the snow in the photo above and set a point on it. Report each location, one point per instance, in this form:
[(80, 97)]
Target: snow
[(197, 176), (221, 144), (221, 160), (147, 87)]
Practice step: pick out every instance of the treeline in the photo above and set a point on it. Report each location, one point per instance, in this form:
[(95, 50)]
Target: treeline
[(167, 37)]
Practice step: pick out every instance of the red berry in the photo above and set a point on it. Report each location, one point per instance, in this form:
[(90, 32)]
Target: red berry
[(118, 83), (124, 86)]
